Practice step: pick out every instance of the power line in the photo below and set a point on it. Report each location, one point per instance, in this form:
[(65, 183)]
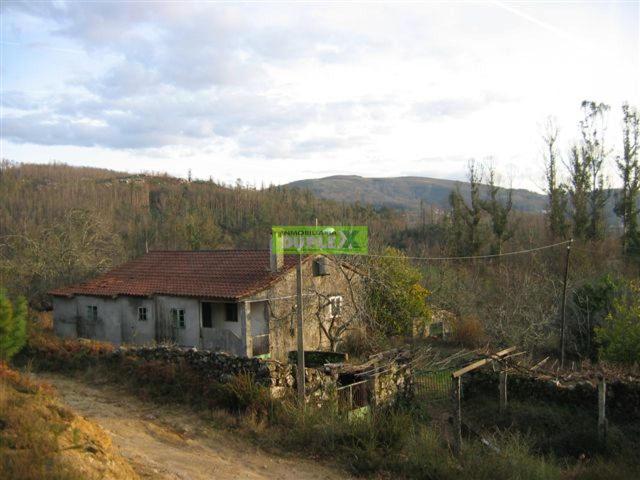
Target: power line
[(475, 257)]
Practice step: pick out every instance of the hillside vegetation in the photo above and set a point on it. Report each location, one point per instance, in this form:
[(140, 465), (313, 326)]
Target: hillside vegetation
[(60, 224)]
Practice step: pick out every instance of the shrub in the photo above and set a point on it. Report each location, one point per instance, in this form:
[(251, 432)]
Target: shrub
[(592, 303), (359, 343), (247, 396), (468, 331), (13, 326), (619, 335), (394, 294)]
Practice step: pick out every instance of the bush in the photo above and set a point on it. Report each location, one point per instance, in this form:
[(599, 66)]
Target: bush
[(359, 343), (591, 305), (13, 326), (394, 294), (468, 332), (619, 335)]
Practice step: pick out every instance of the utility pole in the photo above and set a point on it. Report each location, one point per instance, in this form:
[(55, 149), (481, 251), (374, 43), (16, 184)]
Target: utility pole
[(300, 376), (564, 305)]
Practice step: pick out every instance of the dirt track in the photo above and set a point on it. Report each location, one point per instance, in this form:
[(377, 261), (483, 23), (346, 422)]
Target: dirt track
[(167, 443)]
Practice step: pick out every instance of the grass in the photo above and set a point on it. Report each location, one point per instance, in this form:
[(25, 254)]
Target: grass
[(39, 438), (567, 435)]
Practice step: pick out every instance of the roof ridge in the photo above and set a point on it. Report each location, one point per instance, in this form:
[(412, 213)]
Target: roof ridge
[(223, 273)]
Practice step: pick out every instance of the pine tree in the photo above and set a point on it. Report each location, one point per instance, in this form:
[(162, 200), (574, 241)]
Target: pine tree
[(13, 326)]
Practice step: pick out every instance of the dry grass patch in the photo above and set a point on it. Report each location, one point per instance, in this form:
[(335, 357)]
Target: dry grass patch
[(40, 438)]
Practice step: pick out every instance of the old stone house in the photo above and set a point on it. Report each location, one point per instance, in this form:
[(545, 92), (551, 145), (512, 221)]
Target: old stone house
[(237, 301)]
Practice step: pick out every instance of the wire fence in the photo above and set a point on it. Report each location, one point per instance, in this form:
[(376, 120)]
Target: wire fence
[(432, 385)]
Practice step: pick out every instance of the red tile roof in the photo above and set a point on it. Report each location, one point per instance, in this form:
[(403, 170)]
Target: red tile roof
[(216, 274)]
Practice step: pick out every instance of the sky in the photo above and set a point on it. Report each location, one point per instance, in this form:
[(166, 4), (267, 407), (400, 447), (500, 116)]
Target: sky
[(274, 92)]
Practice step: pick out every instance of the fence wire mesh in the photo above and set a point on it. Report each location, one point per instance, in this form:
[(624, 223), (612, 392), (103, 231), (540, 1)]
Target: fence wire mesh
[(432, 385)]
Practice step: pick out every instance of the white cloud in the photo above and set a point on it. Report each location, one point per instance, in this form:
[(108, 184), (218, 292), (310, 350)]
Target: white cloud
[(276, 92)]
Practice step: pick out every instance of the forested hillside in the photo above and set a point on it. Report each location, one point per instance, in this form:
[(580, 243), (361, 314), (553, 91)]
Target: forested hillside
[(406, 193), (60, 223)]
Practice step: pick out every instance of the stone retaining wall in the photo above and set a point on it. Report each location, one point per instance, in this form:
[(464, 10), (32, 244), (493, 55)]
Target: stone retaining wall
[(389, 373), (623, 398)]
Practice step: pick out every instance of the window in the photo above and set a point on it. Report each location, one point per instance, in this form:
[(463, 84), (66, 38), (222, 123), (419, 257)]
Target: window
[(177, 318), (142, 314), (231, 312), (92, 313), (320, 267), (335, 304), (207, 318)]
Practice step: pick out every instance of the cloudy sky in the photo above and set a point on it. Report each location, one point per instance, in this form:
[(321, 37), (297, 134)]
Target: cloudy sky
[(272, 92)]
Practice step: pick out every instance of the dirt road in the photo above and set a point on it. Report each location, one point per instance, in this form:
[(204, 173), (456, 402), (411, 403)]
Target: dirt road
[(167, 443)]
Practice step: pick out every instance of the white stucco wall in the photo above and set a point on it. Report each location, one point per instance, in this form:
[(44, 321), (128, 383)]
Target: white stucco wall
[(65, 313), (107, 327), (134, 330), (223, 336), (117, 320), (190, 335)]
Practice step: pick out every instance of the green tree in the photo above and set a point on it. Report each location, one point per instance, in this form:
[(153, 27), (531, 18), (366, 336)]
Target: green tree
[(592, 303), (13, 326), (580, 179), (626, 206), (394, 295), (498, 206), (465, 219), (619, 336)]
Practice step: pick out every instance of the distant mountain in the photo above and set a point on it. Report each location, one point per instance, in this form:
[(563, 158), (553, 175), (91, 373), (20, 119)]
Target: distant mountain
[(405, 193)]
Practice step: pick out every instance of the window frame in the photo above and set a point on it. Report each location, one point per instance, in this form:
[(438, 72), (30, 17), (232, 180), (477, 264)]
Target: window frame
[(143, 314), (233, 308), (178, 318), (92, 313), (209, 319), (335, 302)]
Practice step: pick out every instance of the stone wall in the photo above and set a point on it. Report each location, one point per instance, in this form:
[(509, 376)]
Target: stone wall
[(281, 307), (623, 397), (389, 374)]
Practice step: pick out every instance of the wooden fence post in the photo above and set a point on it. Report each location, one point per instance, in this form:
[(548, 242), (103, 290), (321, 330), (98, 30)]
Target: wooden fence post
[(602, 419), (503, 391), (457, 414)]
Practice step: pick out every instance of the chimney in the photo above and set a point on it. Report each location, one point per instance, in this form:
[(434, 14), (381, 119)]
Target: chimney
[(276, 255)]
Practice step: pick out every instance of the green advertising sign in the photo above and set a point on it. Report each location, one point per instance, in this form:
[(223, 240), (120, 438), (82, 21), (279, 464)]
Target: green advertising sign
[(347, 240)]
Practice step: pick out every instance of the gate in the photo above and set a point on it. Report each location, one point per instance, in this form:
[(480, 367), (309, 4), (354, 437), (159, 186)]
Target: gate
[(355, 396)]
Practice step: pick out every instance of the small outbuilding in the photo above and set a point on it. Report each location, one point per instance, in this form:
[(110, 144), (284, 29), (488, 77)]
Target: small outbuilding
[(241, 302)]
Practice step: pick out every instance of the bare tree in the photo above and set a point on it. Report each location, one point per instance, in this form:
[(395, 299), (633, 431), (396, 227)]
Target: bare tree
[(594, 154), (556, 191), (629, 169)]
